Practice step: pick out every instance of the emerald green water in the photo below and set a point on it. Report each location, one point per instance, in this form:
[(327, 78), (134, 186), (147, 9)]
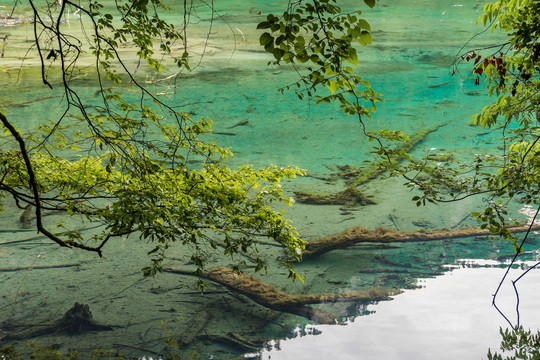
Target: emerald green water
[(415, 43)]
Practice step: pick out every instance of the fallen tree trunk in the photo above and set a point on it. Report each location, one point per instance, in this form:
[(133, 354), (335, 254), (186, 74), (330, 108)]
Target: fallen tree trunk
[(359, 176), (272, 298), (349, 197), (358, 234)]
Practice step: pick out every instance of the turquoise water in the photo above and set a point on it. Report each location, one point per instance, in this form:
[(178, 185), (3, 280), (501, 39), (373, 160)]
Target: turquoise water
[(415, 44)]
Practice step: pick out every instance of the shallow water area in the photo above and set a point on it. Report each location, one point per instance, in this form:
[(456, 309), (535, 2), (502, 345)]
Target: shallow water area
[(414, 45)]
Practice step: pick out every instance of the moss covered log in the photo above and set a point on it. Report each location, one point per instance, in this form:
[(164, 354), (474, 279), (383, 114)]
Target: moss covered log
[(349, 197), (358, 234), (358, 176), (272, 298)]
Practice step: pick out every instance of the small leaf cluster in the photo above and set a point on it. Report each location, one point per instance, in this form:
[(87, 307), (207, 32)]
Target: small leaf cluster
[(517, 344), (140, 25), (319, 35)]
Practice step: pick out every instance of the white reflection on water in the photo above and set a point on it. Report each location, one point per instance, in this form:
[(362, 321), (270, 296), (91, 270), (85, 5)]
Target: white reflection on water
[(450, 317)]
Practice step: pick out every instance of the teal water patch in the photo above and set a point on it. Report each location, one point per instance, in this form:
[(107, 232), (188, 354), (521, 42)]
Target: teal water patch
[(415, 45)]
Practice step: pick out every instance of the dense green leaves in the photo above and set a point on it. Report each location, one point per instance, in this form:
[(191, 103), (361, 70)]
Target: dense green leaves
[(131, 189), (319, 35)]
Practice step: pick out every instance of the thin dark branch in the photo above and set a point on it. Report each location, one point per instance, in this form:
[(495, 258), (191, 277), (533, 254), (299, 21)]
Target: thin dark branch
[(518, 251)]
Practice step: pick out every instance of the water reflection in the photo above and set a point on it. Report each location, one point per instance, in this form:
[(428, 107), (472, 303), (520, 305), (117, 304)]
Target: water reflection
[(451, 317)]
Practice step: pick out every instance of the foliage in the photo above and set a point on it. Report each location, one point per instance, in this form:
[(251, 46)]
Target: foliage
[(127, 162), (510, 73), (321, 35), (521, 343)]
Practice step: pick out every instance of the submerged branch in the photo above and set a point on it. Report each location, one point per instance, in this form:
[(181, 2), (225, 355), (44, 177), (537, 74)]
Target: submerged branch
[(349, 197), (359, 176), (358, 234), (59, 266), (272, 298), (36, 196)]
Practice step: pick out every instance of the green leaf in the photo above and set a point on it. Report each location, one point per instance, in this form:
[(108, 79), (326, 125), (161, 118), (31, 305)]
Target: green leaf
[(265, 39), (363, 24), (263, 25), (365, 38), (370, 3), (333, 85), (353, 57)]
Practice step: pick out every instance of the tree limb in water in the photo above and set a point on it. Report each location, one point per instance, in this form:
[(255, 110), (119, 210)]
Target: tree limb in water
[(272, 298), (359, 176), (358, 234)]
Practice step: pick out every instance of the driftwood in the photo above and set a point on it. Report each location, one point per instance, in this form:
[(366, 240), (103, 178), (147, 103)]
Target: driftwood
[(76, 320), (272, 298), (358, 234), (12, 21)]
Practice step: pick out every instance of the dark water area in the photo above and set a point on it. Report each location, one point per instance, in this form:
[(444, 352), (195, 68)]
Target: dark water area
[(410, 62)]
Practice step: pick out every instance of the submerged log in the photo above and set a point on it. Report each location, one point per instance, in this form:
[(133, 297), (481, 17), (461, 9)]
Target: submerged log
[(32, 101), (76, 320), (358, 234), (358, 176), (235, 341), (240, 123), (272, 298), (349, 197)]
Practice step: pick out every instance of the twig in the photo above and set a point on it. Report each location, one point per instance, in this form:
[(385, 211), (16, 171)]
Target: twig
[(24, 278), (518, 251), (4, 44), (37, 268)]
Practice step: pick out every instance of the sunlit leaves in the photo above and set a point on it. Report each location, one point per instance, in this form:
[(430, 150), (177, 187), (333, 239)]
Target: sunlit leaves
[(136, 181)]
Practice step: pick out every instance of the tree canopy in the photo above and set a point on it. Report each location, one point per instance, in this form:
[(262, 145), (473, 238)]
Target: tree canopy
[(133, 169)]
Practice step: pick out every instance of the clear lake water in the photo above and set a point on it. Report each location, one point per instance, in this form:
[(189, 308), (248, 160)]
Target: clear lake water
[(442, 314)]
